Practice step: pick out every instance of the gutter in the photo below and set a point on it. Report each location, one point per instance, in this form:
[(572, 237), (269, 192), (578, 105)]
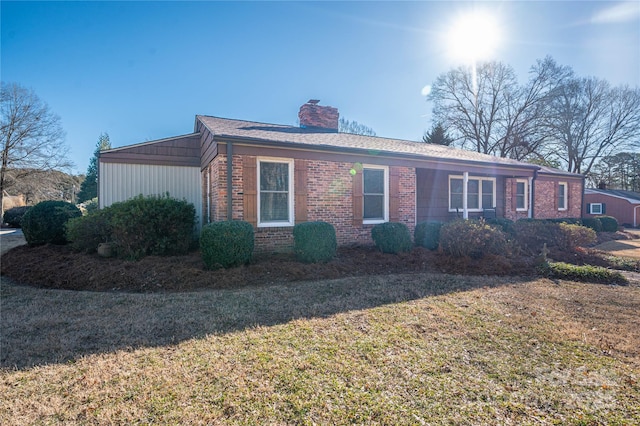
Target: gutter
[(229, 180), (533, 194)]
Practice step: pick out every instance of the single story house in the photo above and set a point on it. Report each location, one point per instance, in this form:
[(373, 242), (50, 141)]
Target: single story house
[(623, 205), (275, 176)]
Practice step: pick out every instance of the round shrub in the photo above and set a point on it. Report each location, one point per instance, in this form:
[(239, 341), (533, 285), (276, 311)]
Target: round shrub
[(45, 222), (532, 234), (609, 223), (506, 225), (427, 235), (572, 236), (314, 242), (593, 223), (152, 225), (85, 233), (13, 216), (391, 237), (472, 238), (226, 244)]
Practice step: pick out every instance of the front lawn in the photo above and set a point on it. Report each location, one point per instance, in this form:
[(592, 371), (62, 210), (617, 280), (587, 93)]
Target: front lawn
[(420, 348)]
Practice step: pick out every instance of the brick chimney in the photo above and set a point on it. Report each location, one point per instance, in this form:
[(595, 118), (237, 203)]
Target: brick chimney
[(314, 116)]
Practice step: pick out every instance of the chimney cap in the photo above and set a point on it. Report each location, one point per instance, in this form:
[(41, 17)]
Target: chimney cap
[(313, 101)]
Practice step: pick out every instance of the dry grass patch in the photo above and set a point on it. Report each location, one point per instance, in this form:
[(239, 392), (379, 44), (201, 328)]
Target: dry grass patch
[(399, 349)]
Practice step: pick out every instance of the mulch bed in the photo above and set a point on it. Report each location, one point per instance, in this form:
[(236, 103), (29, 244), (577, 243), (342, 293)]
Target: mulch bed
[(58, 267)]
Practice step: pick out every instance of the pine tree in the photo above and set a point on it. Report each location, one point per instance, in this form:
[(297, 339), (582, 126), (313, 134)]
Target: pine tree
[(437, 136), (89, 187)]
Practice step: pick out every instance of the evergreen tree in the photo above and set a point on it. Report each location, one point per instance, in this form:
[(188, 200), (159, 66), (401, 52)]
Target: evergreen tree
[(437, 136), (89, 187)]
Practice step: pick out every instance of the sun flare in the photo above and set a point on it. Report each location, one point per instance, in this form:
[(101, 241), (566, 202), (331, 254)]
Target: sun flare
[(473, 37)]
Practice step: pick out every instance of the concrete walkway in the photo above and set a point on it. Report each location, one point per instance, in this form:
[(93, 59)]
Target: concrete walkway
[(10, 238)]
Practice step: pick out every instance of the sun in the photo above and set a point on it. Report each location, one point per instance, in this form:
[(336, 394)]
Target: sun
[(474, 36)]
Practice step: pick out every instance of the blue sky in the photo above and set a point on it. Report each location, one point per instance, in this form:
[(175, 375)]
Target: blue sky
[(142, 70)]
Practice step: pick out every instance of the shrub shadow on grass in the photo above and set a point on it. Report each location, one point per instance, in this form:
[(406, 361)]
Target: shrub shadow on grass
[(42, 326)]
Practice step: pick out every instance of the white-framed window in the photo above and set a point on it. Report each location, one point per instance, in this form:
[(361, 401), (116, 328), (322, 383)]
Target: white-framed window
[(375, 194), (481, 193), (596, 208), (522, 194), (562, 195), (275, 192)]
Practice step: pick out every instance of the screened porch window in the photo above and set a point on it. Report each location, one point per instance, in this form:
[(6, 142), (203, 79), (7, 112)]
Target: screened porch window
[(481, 193)]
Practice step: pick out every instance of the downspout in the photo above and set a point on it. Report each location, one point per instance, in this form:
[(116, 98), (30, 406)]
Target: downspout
[(98, 183), (229, 180), (533, 194), (465, 207), (530, 209), (582, 199)]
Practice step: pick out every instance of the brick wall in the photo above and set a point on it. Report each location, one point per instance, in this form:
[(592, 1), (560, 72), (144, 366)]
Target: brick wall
[(510, 210), (546, 198), (329, 199)]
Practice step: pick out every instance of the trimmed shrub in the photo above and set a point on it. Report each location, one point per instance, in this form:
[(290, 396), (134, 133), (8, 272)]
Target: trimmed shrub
[(85, 233), (593, 223), (226, 244), (609, 223), (45, 222), (13, 216), (532, 234), (314, 242), (472, 238), (392, 237), (572, 236), (585, 273), (427, 235), (569, 220), (506, 225), (152, 225)]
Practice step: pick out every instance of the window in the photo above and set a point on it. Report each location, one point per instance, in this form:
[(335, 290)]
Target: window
[(562, 196), (481, 193), (375, 194), (596, 208), (275, 197), (521, 195)]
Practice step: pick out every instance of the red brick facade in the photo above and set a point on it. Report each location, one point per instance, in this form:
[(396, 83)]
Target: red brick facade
[(546, 198), (329, 187)]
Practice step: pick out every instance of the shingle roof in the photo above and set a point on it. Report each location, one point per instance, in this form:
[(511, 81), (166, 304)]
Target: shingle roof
[(632, 197), (263, 132)]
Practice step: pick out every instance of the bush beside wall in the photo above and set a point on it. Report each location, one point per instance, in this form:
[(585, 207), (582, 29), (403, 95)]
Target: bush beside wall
[(472, 238), (427, 235), (152, 225), (392, 237), (314, 242), (85, 233), (226, 244)]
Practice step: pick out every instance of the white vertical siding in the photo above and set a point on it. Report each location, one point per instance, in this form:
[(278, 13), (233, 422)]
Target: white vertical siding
[(120, 182)]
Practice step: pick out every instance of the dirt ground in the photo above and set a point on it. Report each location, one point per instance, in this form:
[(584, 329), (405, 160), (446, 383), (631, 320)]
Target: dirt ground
[(52, 266)]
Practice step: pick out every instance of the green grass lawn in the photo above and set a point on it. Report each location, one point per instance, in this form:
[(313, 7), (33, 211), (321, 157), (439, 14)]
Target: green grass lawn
[(401, 349)]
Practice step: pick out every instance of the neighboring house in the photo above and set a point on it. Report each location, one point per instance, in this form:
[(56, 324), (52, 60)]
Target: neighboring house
[(282, 175), (623, 205)]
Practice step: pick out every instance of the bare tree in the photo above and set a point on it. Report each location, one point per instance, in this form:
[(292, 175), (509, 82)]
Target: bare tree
[(346, 126), (471, 103), (589, 120), (32, 137), (488, 111)]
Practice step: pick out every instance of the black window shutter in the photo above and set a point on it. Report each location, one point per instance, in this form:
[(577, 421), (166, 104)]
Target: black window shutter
[(604, 208), (588, 208)]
